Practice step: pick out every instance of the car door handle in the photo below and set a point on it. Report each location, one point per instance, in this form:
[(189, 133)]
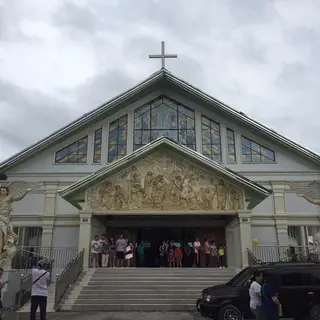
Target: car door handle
[(310, 292)]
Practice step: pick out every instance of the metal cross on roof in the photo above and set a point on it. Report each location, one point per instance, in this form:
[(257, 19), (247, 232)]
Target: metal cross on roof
[(163, 55)]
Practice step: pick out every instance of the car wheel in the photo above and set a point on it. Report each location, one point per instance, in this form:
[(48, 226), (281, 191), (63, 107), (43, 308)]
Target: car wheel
[(315, 313), (230, 312)]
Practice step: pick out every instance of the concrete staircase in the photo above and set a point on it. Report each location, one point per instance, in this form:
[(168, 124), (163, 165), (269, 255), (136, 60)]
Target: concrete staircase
[(142, 289)]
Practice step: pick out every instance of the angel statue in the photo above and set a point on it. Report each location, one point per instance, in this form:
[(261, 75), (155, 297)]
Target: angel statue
[(10, 192), (309, 191), (9, 249)]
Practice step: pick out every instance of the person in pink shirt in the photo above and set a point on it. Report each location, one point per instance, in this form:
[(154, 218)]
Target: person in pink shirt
[(196, 248), (207, 251)]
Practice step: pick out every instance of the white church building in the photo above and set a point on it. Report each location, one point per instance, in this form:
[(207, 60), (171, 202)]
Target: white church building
[(161, 161)]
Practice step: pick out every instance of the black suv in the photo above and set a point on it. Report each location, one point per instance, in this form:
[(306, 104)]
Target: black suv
[(299, 292)]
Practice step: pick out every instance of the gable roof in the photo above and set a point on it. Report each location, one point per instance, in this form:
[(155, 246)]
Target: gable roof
[(251, 187), (160, 75)]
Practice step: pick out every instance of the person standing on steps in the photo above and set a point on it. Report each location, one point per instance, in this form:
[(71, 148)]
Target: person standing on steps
[(196, 253), (40, 281), (105, 251), (120, 250), (112, 253), (95, 250), (207, 252)]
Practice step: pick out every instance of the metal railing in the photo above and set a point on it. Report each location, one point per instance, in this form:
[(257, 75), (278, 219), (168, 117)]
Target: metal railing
[(68, 276), (252, 260), (27, 259), (267, 254)]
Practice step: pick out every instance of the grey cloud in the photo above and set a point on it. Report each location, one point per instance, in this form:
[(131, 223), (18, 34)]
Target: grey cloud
[(101, 88), (79, 17), (31, 115)]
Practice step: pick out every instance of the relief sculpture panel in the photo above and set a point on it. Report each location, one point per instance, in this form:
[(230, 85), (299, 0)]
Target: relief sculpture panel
[(165, 182)]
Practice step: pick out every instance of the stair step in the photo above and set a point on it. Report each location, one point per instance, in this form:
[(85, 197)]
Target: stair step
[(142, 289), (131, 307)]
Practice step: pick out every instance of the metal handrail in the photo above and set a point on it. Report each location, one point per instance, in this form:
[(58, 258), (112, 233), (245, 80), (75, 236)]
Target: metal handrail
[(252, 259), (68, 276), (268, 254)]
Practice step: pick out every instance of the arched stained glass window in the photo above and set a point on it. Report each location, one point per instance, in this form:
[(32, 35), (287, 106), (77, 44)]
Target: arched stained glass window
[(211, 140), (118, 139), (164, 117), (73, 153), (255, 153), (97, 146)]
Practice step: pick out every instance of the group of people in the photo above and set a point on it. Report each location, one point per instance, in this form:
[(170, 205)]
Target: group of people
[(264, 301), (171, 254), (110, 253)]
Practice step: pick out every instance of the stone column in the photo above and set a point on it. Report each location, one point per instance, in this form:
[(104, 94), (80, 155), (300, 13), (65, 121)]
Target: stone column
[(245, 235), (280, 213), (303, 238), (48, 216), (85, 235), (282, 232)]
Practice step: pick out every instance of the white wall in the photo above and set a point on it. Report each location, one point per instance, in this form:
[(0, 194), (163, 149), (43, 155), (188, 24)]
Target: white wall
[(31, 203), (296, 204), (267, 235), (63, 206), (265, 206), (65, 246)]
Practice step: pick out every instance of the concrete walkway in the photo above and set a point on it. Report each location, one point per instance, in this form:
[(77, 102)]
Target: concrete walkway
[(110, 316)]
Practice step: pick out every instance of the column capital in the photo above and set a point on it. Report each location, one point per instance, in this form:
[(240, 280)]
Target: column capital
[(85, 216), (244, 215)]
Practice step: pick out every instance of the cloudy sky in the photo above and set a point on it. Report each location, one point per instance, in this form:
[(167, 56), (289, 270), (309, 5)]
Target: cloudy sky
[(62, 58)]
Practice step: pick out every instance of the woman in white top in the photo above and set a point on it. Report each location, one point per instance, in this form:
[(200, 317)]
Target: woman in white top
[(255, 294), (128, 252)]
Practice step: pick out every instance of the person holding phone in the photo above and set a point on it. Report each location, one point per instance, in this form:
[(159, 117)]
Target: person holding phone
[(40, 281)]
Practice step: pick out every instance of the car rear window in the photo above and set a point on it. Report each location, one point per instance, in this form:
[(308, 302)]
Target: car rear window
[(242, 276)]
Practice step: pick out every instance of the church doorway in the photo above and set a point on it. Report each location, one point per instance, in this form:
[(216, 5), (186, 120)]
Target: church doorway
[(151, 231)]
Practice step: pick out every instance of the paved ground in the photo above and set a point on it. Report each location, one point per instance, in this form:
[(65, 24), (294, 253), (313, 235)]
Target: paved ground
[(110, 316)]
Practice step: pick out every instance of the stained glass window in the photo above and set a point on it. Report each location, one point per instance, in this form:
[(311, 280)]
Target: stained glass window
[(231, 144), (74, 153), (211, 140), (117, 139), (97, 146), (254, 152), (161, 117)]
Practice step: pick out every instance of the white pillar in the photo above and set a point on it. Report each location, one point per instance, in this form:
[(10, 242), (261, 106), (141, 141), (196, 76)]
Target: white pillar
[(245, 235), (282, 232), (48, 216), (85, 236), (303, 238)]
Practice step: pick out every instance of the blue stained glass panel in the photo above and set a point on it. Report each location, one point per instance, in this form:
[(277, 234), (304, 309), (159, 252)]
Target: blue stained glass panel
[(211, 139), (117, 147), (165, 117), (255, 153), (73, 153)]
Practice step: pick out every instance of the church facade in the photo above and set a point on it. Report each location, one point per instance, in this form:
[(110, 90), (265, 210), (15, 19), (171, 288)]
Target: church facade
[(166, 161)]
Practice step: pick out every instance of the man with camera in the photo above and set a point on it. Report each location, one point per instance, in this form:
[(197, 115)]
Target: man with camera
[(40, 281)]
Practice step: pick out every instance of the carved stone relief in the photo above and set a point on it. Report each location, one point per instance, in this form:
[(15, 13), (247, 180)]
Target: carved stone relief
[(166, 182)]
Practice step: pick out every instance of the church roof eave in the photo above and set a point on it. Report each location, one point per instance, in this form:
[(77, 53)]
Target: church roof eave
[(162, 74), (256, 192)]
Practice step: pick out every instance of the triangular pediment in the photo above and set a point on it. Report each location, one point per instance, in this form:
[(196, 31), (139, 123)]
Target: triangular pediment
[(165, 175)]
